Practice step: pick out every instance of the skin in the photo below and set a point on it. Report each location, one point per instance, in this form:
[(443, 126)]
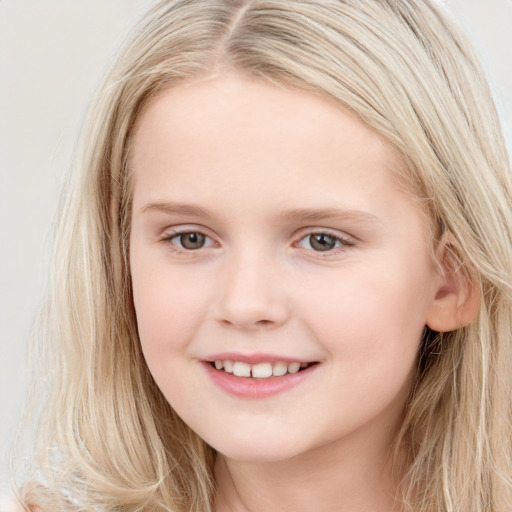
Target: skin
[(250, 155)]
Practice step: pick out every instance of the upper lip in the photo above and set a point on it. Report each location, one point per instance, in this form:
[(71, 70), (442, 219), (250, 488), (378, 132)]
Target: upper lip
[(255, 358)]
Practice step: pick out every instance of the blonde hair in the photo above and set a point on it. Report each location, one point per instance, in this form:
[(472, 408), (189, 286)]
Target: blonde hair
[(107, 438)]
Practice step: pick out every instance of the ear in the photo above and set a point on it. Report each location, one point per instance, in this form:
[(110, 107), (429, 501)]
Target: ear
[(457, 294)]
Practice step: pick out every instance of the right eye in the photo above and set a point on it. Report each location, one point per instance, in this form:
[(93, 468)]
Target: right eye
[(190, 240)]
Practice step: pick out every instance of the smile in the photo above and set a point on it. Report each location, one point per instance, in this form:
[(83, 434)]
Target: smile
[(263, 370), (257, 377)]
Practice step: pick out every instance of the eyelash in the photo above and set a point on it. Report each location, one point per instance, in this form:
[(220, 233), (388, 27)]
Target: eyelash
[(341, 243), (169, 241)]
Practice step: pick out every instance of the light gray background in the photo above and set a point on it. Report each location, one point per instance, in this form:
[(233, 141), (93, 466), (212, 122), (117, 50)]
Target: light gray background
[(52, 56)]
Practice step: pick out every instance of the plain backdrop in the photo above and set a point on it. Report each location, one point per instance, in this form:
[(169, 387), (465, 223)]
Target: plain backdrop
[(53, 54)]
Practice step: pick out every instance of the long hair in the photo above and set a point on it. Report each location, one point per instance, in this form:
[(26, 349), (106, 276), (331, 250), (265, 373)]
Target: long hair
[(107, 439)]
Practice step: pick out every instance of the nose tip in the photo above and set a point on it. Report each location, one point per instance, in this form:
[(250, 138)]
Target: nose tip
[(252, 298)]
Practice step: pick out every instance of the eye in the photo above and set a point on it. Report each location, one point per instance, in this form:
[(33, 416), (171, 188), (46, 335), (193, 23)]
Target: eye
[(323, 242), (190, 240)]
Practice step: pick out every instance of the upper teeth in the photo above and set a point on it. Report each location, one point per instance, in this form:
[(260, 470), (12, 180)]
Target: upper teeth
[(259, 370)]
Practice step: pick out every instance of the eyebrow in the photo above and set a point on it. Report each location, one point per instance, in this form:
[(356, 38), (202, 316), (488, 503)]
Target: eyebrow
[(175, 209), (318, 214), (296, 214)]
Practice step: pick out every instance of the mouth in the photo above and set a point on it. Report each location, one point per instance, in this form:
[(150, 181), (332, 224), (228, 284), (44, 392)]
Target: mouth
[(261, 370), (258, 376)]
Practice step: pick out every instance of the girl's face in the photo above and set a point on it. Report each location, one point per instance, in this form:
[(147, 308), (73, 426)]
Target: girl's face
[(269, 234)]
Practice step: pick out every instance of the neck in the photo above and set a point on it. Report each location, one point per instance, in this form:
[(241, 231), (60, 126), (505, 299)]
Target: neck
[(338, 477)]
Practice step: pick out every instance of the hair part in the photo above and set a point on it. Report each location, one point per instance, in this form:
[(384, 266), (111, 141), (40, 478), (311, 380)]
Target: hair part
[(108, 439)]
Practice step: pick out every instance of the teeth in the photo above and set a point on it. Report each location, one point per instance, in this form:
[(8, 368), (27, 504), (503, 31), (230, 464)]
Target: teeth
[(293, 367), (260, 370), (242, 369), (279, 369)]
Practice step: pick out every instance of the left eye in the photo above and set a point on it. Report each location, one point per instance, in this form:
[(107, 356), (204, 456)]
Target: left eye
[(191, 240), (322, 242)]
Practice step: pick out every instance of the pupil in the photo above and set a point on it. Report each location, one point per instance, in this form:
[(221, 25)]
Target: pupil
[(192, 240), (322, 242)]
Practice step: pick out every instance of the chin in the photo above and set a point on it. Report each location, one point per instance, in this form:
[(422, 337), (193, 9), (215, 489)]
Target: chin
[(257, 456), (261, 449)]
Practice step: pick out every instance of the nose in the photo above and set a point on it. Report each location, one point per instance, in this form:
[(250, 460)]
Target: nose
[(252, 295)]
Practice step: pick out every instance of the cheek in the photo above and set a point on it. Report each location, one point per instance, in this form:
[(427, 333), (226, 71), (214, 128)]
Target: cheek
[(169, 310), (372, 336), (169, 306), (371, 321)]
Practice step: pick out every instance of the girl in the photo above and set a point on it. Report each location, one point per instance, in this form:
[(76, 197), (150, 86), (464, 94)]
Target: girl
[(283, 273)]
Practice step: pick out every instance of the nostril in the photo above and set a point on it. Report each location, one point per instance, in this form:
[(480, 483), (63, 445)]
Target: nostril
[(248, 325), (264, 322)]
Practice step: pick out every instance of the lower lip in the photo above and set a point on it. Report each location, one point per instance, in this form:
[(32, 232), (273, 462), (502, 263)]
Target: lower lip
[(250, 387)]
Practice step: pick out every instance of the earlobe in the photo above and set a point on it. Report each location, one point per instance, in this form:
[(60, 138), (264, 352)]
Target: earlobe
[(457, 297)]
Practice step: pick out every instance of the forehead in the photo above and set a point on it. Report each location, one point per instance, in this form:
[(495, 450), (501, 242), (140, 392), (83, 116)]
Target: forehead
[(255, 135)]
